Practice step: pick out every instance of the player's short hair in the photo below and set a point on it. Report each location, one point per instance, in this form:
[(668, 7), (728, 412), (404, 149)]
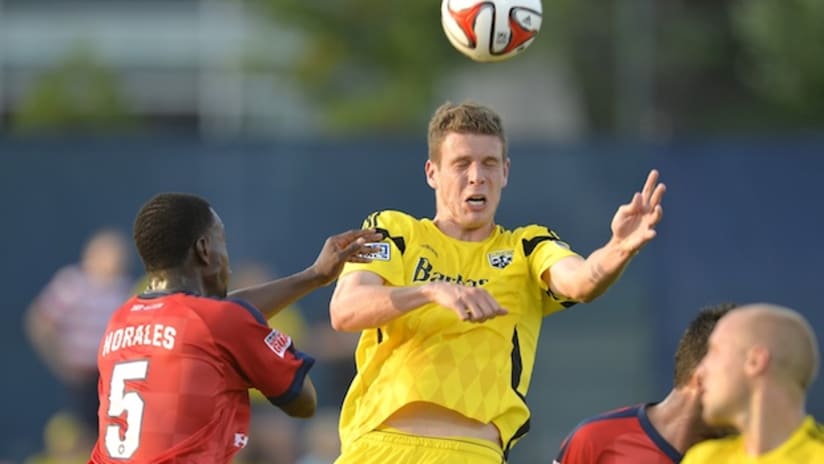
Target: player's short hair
[(465, 118), (693, 344), (167, 226)]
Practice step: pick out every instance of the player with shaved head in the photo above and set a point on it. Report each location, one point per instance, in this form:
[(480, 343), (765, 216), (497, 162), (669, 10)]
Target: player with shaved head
[(761, 361)]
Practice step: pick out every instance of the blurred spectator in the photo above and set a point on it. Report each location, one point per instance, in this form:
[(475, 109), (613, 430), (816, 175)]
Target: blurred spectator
[(335, 368), (66, 320), (322, 444), (64, 441)]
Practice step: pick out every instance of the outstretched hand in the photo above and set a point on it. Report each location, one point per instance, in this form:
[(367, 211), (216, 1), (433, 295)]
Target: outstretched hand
[(634, 223), (352, 246)]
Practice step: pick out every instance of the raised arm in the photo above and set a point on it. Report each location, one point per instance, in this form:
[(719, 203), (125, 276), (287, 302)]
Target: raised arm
[(362, 301), (271, 297), (632, 227)]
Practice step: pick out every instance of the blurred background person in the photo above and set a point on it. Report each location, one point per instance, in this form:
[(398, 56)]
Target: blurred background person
[(321, 444), (65, 321), (64, 442)]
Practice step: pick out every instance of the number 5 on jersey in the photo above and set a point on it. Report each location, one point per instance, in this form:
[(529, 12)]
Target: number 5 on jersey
[(131, 403)]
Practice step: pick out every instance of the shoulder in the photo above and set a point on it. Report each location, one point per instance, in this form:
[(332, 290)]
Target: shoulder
[(390, 219), (68, 276), (601, 429), (225, 310), (709, 450), (396, 226), (532, 235), (610, 422)]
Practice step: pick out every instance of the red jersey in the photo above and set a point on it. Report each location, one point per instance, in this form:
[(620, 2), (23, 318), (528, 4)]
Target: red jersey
[(175, 370), (623, 436)]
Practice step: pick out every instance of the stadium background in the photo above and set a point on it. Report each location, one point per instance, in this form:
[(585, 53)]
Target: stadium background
[(225, 114)]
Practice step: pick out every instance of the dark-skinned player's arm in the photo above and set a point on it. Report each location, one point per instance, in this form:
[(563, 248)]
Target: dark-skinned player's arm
[(271, 297), (633, 226), (305, 404)]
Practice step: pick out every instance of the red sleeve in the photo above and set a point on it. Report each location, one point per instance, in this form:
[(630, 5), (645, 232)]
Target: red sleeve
[(578, 448), (265, 358)]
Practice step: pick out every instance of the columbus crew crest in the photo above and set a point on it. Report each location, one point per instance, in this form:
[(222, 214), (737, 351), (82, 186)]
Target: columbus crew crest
[(499, 259)]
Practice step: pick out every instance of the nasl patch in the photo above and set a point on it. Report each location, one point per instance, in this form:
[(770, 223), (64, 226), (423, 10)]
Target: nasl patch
[(382, 251), (278, 342)]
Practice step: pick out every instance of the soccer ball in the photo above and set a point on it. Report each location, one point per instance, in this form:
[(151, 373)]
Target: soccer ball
[(491, 30)]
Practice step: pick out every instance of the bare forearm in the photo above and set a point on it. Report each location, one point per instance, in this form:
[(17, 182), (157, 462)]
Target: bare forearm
[(370, 306), (601, 269), (585, 280), (271, 297)]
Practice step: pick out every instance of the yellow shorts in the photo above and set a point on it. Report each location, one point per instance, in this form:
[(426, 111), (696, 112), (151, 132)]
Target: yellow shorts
[(382, 447)]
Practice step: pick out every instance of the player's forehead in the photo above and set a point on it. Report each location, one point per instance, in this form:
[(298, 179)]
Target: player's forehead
[(465, 145)]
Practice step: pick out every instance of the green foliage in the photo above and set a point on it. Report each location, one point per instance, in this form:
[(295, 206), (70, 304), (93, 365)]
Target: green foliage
[(369, 63), (77, 94), (783, 42), (665, 67)]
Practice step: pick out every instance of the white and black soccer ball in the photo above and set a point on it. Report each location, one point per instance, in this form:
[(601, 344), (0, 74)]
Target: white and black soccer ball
[(491, 30)]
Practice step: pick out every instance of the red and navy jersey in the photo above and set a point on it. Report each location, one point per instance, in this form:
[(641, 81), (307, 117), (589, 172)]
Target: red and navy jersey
[(175, 370), (623, 436)]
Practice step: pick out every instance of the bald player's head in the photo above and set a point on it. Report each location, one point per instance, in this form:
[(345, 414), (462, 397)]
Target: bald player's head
[(751, 346), (787, 336)]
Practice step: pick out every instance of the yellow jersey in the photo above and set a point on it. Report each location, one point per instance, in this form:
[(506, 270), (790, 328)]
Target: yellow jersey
[(805, 446), (479, 370)]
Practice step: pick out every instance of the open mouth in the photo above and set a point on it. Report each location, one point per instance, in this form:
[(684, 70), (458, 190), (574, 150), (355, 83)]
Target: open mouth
[(476, 200)]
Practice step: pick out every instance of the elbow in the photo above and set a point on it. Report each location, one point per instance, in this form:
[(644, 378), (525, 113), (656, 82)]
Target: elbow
[(305, 411), (343, 324), (581, 295), (586, 298), (339, 318), (336, 318)]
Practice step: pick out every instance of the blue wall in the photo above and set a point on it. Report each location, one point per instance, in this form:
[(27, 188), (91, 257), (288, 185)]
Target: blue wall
[(742, 223)]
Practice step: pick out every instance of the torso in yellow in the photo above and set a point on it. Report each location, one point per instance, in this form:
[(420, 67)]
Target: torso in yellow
[(481, 371)]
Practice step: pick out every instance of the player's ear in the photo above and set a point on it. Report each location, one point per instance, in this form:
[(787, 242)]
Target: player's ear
[(506, 171), (429, 168), (201, 250), (757, 360)]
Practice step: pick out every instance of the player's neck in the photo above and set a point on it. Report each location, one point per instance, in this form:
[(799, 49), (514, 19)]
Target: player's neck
[(677, 419), (452, 229), (774, 414), (173, 280)]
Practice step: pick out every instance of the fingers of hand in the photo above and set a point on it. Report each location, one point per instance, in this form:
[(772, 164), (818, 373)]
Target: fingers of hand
[(657, 195), (358, 259), (356, 247), (368, 235), (657, 214), (479, 306), (633, 207), (649, 185)]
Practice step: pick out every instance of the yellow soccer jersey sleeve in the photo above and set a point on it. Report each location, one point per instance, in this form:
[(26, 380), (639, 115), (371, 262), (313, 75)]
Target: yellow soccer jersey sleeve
[(479, 370), (805, 445)]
